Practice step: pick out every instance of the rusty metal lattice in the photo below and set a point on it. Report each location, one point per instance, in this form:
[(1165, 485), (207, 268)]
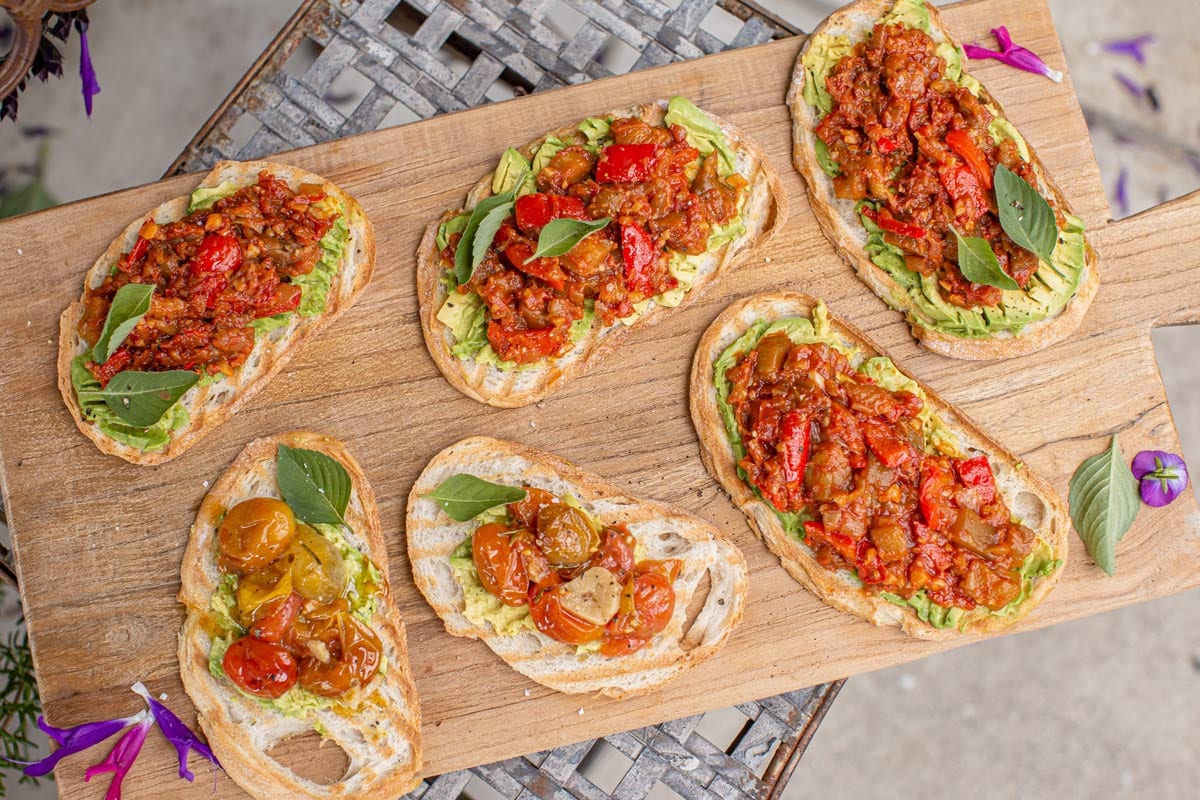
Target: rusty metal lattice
[(425, 57), (413, 59)]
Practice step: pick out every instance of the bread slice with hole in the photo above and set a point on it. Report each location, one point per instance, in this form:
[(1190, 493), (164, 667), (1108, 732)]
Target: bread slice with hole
[(210, 405), (381, 737), (845, 231), (764, 211), (1027, 495), (713, 578)]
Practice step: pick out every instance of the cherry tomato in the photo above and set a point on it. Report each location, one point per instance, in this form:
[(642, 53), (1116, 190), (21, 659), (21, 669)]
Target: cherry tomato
[(318, 572), (616, 552), (558, 623), (499, 564), (275, 624), (616, 646), (525, 511), (254, 533), (218, 252), (566, 535), (260, 668), (626, 163), (342, 654), (647, 602), (536, 566), (259, 590)]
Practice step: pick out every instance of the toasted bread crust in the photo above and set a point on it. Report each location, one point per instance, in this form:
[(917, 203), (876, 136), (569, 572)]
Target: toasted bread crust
[(383, 742), (844, 230), (1013, 480), (666, 532), (765, 210), (209, 406)]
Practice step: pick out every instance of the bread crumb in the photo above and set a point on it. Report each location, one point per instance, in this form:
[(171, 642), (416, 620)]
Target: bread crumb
[(20, 252), (205, 484), (767, 259), (580, 712), (532, 424), (528, 692)]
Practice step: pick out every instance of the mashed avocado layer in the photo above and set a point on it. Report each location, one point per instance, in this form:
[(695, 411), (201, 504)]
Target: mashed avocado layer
[(362, 595), (939, 439), (314, 292), (1050, 288), (465, 313)]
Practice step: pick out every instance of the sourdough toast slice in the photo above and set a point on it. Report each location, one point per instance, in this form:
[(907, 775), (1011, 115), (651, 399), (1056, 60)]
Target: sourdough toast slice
[(208, 404), (841, 224), (1028, 496), (381, 736), (764, 210), (663, 531)]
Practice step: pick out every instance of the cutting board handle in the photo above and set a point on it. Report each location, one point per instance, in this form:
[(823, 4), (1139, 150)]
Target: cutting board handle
[(1150, 265)]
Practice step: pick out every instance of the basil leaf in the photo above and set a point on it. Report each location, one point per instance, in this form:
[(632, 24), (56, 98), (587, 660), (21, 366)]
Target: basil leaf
[(140, 399), (1104, 500), (1024, 214), (979, 264), (129, 305), (560, 235), (465, 257), (464, 497), (486, 232), (315, 486)]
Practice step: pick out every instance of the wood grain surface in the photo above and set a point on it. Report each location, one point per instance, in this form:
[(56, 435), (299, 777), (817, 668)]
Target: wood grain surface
[(99, 541)]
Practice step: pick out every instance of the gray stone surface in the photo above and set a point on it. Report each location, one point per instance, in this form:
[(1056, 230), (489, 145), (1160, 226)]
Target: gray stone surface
[(1100, 708)]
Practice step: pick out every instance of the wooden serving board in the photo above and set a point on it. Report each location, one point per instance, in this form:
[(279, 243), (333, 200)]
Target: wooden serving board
[(100, 541)]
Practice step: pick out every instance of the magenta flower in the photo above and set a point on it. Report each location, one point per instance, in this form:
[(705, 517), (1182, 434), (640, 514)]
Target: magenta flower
[(1163, 476), (1014, 55), (1135, 48), (121, 757), (176, 732), (87, 73), (77, 739)]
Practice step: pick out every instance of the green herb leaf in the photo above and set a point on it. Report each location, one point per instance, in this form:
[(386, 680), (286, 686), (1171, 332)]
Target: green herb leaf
[(979, 264), (464, 497), (1104, 501), (1024, 214), (315, 486), (129, 305), (467, 256), (560, 235), (141, 398), (486, 232)]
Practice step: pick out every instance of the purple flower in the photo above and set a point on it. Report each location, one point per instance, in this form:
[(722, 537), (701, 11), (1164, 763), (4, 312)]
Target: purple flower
[(1163, 476), (1014, 55), (1135, 48), (74, 740), (121, 757), (1121, 192), (176, 732), (87, 73)]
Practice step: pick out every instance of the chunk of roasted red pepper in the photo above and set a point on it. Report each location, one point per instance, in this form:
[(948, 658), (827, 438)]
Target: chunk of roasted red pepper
[(639, 252), (534, 211), (626, 163)]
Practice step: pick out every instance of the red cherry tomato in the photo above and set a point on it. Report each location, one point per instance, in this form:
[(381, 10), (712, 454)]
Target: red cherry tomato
[(218, 252), (626, 163), (342, 653), (616, 552), (260, 668), (558, 623), (525, 511), (639, 252), (647, 604), (501, 570), (274, 626)]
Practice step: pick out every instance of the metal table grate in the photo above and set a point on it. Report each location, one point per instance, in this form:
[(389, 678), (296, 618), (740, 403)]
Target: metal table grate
[(341, 67)]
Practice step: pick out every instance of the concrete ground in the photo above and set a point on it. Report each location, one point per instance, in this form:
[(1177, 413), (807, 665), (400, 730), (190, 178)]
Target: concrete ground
[(1100, 708)]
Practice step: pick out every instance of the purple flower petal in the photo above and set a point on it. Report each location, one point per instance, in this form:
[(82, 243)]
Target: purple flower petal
[(1014, 55), (76, 739), (120, 759), (1163, 476), (87, 73), (176, 732), (1121, 192), (1135, 89), (1135, 48)]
